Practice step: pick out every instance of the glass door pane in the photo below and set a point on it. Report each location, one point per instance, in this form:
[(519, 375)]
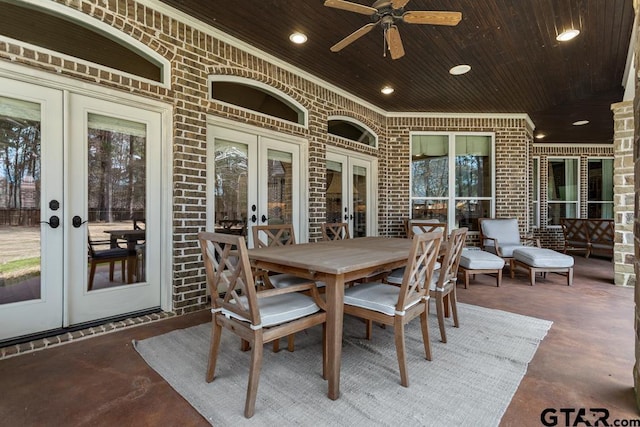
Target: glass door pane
[(231, 165), (334, 192), (360, 201), (279, 187), (31, 206), (116, 188), (20, 184)]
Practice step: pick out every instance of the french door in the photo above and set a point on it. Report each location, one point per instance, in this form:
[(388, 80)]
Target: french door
[(350, 192), (255, 180), (73, 168)]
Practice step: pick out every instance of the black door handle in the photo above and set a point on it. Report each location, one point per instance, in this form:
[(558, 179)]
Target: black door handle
[(54, 222), (76, 221), (264, 218), (254, 218)]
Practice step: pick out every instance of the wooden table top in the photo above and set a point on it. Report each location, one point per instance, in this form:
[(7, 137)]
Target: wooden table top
[(338, 256)]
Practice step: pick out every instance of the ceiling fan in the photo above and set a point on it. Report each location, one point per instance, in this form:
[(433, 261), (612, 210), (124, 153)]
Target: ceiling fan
[(386, 13)]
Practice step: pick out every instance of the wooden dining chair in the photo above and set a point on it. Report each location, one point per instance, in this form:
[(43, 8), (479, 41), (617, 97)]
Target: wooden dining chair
[(258, 317), (335, 231), (396, 306), (417, 226), (267, 236), (442, 287)]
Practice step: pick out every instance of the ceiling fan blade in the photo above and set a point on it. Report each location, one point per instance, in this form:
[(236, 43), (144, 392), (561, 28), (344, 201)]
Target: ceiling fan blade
[(433, 18), (397, 4), (352, 37), (351, 7), (395, 42)]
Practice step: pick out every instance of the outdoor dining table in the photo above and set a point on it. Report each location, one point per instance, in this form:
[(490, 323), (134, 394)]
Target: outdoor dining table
[(335, 263)]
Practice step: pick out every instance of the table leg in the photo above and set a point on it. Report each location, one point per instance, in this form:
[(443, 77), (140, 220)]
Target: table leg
[(335, 311)]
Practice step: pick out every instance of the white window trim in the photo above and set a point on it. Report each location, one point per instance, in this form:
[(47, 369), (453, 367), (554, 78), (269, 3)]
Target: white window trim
[(451, 154), (602, 202), (578, 184), (536, 189), (357, 123), (287, 99)]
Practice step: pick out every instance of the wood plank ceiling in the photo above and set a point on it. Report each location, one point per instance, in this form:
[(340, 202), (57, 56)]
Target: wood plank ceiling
[(518, 66)]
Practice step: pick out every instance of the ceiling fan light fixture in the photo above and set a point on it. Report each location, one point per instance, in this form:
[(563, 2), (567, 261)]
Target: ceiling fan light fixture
[(540, 135), (580, 123), (298, 38), (460, 69), (387, 90), (567, 35)]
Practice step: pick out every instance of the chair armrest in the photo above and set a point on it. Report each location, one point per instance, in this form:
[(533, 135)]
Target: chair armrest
[(535, 241), (495, 244)]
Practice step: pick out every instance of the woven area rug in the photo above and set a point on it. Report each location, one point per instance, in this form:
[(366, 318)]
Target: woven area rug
[(470, 381)]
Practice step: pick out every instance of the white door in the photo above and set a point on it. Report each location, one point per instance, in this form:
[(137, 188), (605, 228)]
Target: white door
[(350, 192), (255, 179), (113, 205), (31, 191)]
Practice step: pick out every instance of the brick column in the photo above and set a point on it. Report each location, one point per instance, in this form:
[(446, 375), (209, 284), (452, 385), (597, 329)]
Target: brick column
[(636, 243), (623, 194)]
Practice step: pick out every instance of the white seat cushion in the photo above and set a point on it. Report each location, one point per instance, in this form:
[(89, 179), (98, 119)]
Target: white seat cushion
[(507, 250), (542, 257), (286, 280), (279, 309), (480, 260), (396, 276), (374, 296)]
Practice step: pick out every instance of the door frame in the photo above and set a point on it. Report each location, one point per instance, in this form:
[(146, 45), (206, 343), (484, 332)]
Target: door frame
[(372, 191), (302, 235), (41, 78)]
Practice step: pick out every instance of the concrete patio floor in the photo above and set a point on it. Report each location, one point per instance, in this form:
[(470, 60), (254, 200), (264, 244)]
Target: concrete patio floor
[(585, 361)]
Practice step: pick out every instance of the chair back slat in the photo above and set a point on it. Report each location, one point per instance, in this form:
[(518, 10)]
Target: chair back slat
[(335, 231), (265, 236), (228, 268), (451, 260), (419, 226), (417, 274)]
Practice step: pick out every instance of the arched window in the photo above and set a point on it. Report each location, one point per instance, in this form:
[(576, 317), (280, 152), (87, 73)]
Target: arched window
[(258, 97), (61, 29), (349, 128)]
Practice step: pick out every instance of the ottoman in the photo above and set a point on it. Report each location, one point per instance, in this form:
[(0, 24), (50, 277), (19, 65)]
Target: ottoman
[(474, 261), (541, 260)]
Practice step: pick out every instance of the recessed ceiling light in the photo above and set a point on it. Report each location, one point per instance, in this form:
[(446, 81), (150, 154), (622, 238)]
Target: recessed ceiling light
[(387, 90), (460, 69), (580, 122), (298, 38), (540, 135), (567, 35)]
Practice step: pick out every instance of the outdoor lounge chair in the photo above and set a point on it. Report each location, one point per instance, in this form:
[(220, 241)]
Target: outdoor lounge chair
[(501, 236)]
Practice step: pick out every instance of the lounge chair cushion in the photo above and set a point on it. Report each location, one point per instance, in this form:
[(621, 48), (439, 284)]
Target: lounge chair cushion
[(542, 258), (504, 230), (480, 260)]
